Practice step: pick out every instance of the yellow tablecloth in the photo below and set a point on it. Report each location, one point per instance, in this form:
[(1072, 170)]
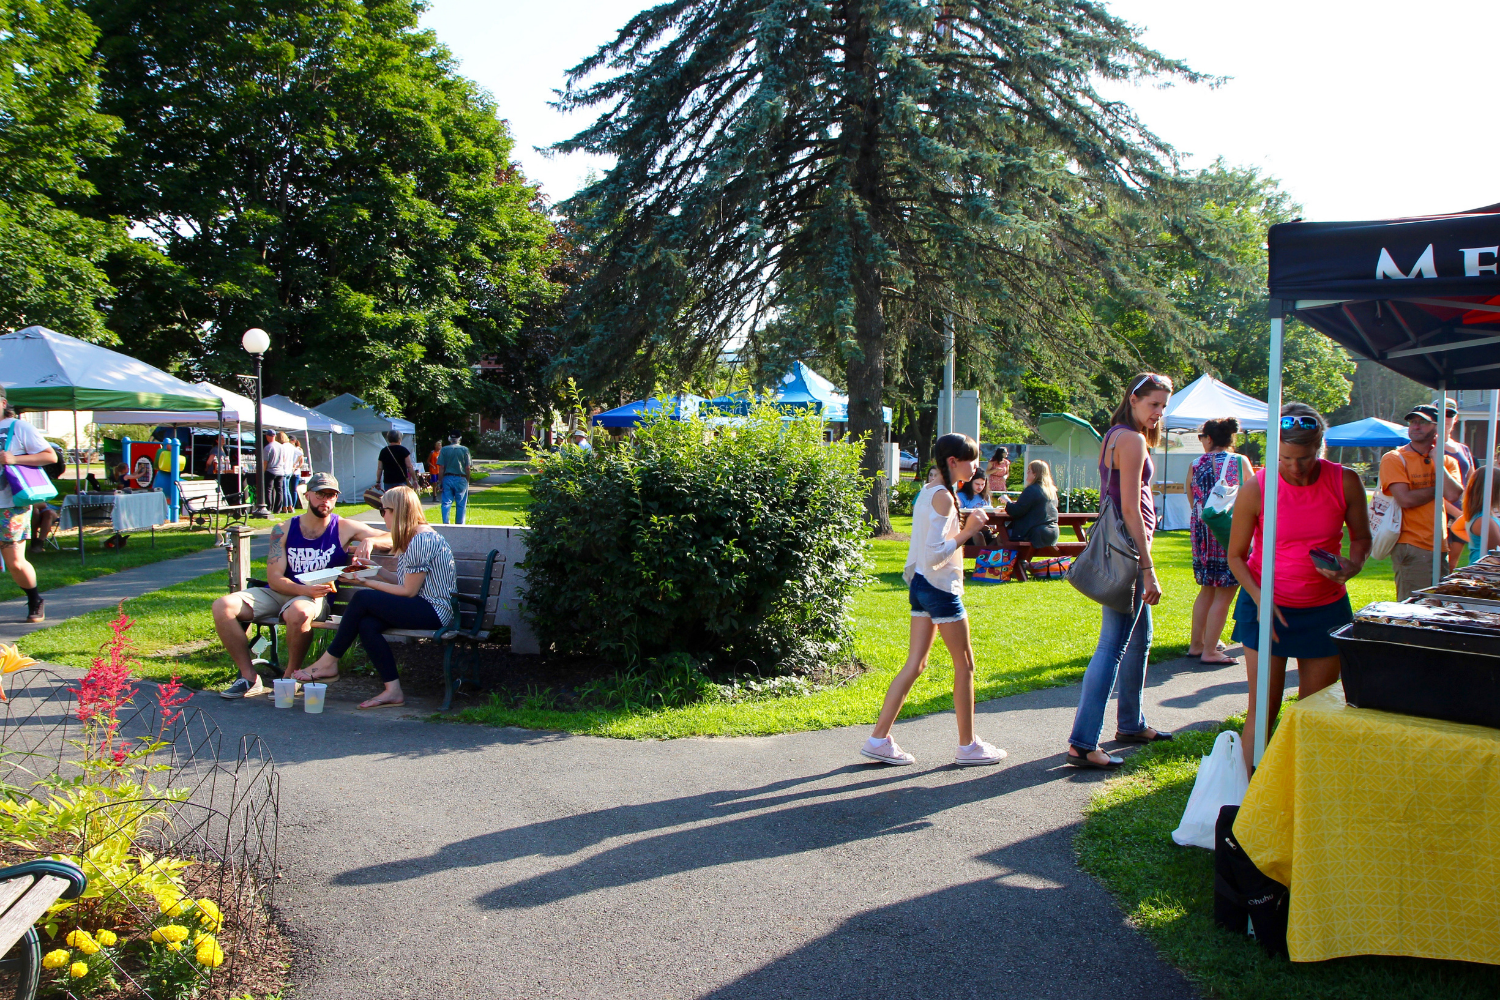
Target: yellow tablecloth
[(1387, 829)]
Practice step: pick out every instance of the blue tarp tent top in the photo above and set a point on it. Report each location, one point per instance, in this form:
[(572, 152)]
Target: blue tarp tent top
[(683, 405), (801, 388), (1371, 432)]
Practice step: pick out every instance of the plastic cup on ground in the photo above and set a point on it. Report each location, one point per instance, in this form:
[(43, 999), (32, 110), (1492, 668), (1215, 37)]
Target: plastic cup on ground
[(312, 698), (285, 690)]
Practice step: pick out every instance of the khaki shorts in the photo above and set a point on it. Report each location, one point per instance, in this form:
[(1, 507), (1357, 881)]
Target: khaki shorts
[(1413, 568), (267, 603)]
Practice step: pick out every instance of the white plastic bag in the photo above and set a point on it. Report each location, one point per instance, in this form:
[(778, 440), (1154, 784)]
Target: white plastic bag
[(1385, 525), (1221, 782)]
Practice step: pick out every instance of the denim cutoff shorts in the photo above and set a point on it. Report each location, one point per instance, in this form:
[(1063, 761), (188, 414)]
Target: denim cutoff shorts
[(929, 602)]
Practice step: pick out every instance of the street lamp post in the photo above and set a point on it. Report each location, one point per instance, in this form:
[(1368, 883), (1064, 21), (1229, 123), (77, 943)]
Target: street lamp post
[(257, 342)]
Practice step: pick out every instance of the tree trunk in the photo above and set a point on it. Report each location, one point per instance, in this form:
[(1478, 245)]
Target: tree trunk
[(866, 366)]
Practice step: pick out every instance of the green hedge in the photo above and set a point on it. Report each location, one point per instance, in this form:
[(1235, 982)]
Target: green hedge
[(739, 546)]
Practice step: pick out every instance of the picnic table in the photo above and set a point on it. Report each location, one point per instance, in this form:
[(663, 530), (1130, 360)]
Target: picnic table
[(999, 523)]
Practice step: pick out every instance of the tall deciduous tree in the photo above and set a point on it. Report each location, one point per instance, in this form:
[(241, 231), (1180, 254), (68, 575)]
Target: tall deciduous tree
[(319, 169), (850, 152), (49, 121)]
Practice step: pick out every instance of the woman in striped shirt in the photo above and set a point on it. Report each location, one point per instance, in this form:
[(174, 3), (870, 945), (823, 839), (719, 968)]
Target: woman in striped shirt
[(419, 595)]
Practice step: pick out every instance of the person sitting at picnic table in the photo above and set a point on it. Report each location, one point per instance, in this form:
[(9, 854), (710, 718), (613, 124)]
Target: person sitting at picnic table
[(316, 539), (1033, 515), (418, 595), (974, 493)]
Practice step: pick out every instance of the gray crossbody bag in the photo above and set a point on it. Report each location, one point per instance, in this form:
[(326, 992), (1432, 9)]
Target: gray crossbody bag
[(1108, 569)]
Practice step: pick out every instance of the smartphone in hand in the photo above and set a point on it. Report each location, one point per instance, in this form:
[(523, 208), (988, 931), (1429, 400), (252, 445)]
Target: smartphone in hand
[(1324, 559)]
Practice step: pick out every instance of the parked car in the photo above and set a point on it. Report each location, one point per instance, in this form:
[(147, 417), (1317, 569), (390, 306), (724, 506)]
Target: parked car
[(908, 461)]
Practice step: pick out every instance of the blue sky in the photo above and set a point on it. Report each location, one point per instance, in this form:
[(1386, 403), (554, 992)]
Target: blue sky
[(1363, 110)]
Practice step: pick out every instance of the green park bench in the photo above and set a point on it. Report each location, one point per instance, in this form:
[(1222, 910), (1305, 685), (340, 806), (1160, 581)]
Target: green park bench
[(26, 892)]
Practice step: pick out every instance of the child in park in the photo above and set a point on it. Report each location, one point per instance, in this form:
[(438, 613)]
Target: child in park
[(935, 577)]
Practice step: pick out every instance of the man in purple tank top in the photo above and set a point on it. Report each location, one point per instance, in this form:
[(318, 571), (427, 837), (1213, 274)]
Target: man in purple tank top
[(318, 539)]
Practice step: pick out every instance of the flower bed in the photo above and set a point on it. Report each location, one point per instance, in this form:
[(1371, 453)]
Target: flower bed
[(177, 839)]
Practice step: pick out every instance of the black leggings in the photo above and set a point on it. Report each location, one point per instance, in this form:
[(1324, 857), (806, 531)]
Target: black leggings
[(369, 613)]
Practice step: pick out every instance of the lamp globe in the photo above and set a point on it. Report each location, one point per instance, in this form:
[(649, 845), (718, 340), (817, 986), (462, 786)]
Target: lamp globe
[(256, 340)]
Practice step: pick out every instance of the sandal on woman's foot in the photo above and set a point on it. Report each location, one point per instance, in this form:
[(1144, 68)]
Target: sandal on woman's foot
[(1084, 760), (374, 703), (1217, 663), (1145, 736)]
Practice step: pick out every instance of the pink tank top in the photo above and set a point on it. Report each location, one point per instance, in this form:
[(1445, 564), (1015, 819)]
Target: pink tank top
[(1308, 517)]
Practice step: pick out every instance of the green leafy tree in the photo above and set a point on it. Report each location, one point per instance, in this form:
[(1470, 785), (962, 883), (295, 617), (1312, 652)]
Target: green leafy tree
[(49, 121), (838, 156), (316, 168)]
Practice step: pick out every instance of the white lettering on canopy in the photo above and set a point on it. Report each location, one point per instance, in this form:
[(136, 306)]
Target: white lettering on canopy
[(1472, 267), (1387, 268)]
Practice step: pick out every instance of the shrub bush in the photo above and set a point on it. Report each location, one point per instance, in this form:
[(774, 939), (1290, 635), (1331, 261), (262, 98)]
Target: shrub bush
[(904, 494), (499, 444), (731, 544), (1081, 500)]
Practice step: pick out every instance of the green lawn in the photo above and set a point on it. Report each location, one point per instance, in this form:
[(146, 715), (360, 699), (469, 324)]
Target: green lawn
[(1167, 891)]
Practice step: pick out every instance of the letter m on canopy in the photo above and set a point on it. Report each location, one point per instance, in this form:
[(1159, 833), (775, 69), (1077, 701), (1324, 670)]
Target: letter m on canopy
[(1424, 266)]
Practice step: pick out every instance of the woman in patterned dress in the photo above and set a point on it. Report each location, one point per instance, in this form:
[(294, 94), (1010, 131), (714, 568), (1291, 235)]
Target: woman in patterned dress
[(1216, 584)]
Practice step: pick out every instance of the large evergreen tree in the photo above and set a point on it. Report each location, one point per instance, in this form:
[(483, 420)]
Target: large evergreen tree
[(316, 168), (846, 154), (49, 122)]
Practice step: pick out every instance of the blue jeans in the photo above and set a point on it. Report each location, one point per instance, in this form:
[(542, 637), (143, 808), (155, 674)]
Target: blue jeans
[(1124, 646), (455, 492)]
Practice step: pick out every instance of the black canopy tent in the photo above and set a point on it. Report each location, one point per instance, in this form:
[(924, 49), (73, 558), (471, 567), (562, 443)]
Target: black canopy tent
[(1419, 296)]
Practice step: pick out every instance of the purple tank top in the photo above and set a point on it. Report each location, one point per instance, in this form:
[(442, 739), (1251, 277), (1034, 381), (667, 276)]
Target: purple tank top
[(1109, 482), (323, 552)]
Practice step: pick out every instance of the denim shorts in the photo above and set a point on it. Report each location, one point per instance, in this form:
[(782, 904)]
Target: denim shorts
[(929, 602)]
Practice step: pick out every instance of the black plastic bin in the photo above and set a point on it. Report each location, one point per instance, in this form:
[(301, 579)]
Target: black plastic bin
[(1453, 684)]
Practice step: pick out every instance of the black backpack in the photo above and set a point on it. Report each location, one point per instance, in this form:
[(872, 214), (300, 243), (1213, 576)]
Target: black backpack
[(1243, 895)]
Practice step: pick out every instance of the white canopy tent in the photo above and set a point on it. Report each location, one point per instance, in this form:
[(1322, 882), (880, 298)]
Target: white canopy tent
[(369, 428), (1205, 398), (330, 442)]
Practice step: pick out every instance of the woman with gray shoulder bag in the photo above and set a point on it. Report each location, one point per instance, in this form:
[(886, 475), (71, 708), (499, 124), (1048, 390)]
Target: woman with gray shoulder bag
[(1116, 570)]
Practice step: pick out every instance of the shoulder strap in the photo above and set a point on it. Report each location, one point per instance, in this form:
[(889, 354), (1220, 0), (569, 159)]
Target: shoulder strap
[(11, 436)]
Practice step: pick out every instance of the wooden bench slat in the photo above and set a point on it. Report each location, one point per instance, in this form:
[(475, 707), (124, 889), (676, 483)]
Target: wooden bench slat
[(19, 918), (12, 890)]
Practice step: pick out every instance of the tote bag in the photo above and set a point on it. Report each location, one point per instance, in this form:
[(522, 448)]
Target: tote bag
[(1107, 568), (1385, 525), (1218, 509), (28, 484)]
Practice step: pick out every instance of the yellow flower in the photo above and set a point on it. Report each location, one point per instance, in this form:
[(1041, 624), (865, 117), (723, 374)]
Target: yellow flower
[(107, 938), (170, 934), (209, 914), (78, 970), (209, 953), (174, 945), (76, 938), (11, 660), (56, 959)]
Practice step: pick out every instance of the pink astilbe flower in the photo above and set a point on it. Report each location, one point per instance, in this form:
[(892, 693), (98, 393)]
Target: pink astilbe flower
[(169, 697), (107, 688)]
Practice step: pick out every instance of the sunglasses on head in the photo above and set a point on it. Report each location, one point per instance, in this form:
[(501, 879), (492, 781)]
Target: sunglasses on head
[(1299, 423), (1157, 381)]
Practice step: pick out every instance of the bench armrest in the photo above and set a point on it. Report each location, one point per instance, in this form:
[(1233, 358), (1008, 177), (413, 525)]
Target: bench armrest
[(66, 870)]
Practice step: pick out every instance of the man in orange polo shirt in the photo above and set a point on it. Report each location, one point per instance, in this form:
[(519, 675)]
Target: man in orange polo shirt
[(1408, 476)]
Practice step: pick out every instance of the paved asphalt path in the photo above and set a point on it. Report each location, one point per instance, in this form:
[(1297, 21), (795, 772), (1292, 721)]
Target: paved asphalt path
[(442, 860)]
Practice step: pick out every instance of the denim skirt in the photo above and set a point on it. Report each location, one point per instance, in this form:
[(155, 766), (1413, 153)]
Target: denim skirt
[(1305, 634)]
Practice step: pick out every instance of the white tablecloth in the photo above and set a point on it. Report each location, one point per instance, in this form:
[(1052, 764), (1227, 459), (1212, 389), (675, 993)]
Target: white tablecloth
[(128, 511)]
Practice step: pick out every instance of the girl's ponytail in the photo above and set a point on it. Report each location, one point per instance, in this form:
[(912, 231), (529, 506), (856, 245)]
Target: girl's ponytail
[(959, 446)]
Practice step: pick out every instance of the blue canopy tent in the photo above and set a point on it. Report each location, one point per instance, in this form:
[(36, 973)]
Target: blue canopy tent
[(683, 406), (1371, 432), (800, 388)]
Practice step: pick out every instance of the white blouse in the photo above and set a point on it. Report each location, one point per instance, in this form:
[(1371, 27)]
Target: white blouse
[(934, 551)]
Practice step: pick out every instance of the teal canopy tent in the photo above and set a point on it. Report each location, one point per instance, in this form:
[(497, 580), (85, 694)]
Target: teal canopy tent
[(45, 370), (1071, 434)]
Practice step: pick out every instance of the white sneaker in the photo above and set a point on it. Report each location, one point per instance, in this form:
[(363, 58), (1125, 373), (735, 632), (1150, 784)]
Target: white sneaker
[(886, 751), (978, 752), (242, 688)]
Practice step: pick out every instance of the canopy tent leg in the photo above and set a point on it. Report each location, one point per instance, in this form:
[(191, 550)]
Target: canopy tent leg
[(239, 450), (77, 488), (1485, 539), (1268, 550), (1068, 504), (1439, 468)]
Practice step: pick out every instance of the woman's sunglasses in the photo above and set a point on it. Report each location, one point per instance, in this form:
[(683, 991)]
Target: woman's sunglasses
[(1154, 380), (1300, 423)]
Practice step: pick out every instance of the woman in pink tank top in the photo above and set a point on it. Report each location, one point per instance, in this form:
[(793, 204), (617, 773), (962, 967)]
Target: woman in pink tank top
[(1316, 499)]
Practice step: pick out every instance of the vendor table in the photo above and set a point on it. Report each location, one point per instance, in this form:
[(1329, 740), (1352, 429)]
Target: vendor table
[(1384, 827), (126, 511)]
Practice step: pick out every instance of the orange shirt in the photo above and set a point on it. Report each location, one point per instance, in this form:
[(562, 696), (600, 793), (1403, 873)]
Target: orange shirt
[(1406, 466)]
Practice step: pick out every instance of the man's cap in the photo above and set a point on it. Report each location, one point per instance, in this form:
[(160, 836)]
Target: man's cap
[(323, 482), (1424, 410), (1450, 406), (579, 432)]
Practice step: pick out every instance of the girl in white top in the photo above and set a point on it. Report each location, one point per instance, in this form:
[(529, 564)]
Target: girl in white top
[(935, 578)]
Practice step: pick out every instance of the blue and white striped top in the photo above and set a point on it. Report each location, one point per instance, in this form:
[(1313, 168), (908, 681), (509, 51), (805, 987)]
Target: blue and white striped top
[(428, 552)]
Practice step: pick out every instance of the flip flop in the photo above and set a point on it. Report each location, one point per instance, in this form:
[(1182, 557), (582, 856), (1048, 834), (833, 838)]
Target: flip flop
[(314, 678), (381, 704), (1217, 663)]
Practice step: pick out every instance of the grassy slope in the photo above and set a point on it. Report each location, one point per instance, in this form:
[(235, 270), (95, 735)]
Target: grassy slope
[(1167, 891)]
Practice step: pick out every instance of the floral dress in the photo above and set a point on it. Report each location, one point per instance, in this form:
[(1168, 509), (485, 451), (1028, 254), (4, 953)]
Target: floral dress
[(1210, 561)]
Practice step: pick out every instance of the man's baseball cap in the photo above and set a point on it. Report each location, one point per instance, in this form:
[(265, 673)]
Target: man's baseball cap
[(579, 432), (1425, 411), (323, 482), (1450, 406)]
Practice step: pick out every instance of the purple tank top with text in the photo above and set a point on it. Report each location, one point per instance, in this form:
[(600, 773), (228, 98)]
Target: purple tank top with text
[(309, 556), (1109, 482)]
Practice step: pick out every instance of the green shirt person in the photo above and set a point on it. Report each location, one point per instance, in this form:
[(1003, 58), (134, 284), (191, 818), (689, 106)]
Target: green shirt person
[(453, 462)]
